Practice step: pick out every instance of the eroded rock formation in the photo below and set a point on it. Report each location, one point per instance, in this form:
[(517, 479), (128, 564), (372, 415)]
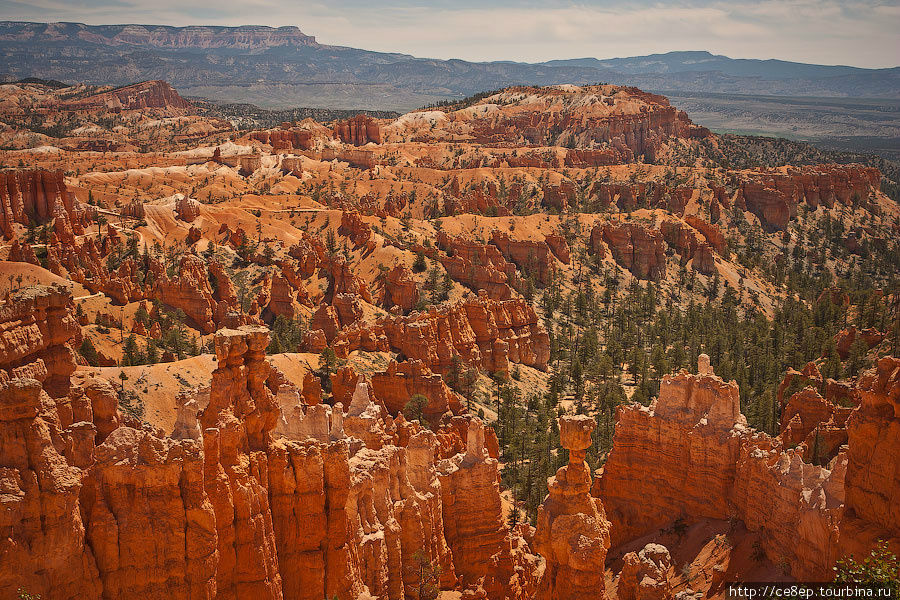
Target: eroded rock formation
[(237, 503), (39, 197), (774, 194), (473, 522), (400, 381), (147, 94), (638, 248), (532, 257), (358, 130), (35, 329), (613, 123), (484, 333), (872, 483), (401, 289), (691, 244), (695, 434), (187, 209), (572, 530), (478, 266), (645, 574)]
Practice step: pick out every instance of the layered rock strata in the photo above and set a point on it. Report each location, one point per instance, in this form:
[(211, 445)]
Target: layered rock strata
[(358, 130), (774, 194), (695, 435), (572, 531), (872, 483), (228, 507), (483, 333), (473, 523), (478, 266), (147, 94), (638, 248)]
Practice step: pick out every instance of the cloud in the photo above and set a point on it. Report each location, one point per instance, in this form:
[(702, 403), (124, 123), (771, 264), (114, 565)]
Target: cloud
[(860, 32)]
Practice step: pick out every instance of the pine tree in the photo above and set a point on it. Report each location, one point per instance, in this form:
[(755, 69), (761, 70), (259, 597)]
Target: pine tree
[(129, 352), (419, 264), (415, 409), (152, 352), (89, 352), (856, 356), (327, 361), (513, 518)]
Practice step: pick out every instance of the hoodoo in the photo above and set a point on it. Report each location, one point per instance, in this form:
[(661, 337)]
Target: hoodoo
[(234, 510), (572, 530)]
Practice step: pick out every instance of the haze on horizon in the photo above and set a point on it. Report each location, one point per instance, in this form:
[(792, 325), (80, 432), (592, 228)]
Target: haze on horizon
[(860, 33)]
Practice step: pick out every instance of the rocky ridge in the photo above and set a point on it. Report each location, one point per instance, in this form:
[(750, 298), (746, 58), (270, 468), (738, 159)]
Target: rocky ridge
[(234, 510), (694, 433)]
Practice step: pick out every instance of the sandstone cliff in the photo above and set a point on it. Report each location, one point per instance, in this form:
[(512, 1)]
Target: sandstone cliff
[(145, 95), (774, 194), (484, 333), (39, 197), (227, 507), (695, 435), (473, 522), (872, 484), (478, 266), (358, 130), (638, 248)]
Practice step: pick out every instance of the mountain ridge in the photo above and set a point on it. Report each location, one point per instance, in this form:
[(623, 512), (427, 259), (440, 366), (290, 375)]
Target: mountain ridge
[(703, 60), (227, 62)]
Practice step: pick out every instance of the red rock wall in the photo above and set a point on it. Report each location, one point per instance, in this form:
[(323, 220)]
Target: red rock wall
[(42, 544), (358, 130), (148, 94), (872, 483), (401, 289), (691, 455), (484, 333), (473, 522), (663, 443), (283, 140), (478, 266), (638, 248), (400, 381), (774, 194), (236, 514), (531, 257), (38, 196), (690, 245)]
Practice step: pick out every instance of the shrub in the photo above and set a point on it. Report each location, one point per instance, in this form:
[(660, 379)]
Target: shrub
[(880, 567), (414, 409)]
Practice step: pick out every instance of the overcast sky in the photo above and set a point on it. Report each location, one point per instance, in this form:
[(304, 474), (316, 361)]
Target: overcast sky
[(853, 32)]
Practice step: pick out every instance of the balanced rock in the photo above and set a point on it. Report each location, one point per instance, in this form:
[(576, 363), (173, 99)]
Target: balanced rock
[(572, 530)]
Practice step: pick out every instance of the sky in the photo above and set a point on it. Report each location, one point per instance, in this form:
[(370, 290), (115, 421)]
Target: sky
[(864, 33)]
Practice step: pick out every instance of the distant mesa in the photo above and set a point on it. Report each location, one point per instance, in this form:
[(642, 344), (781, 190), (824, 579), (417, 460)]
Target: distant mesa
[(249, 37), (235, 63), (147, 94)]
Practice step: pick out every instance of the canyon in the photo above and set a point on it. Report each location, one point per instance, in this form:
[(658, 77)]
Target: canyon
[(442, 355), (231, 500)]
